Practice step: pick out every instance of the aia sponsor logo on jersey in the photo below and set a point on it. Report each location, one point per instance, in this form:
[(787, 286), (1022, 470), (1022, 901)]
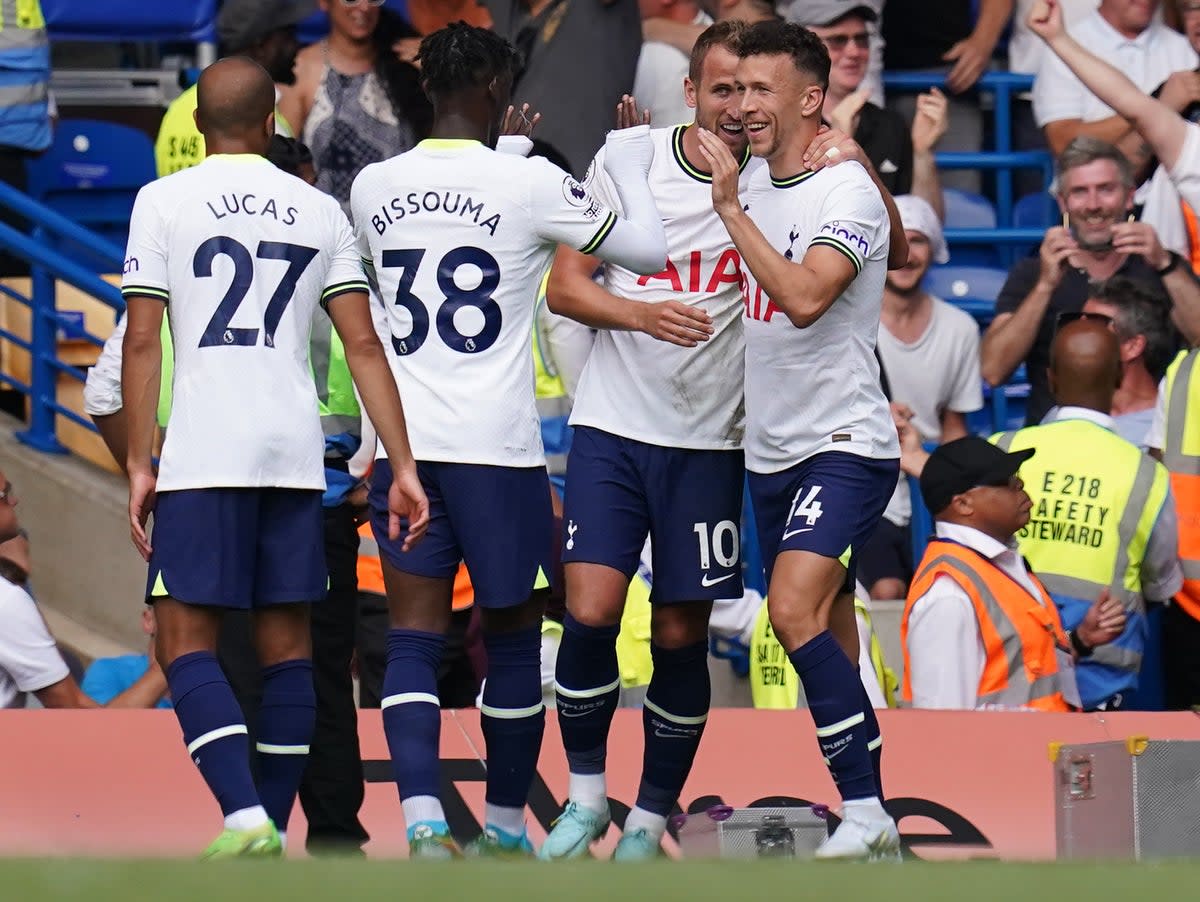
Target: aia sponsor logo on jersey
[(699, 277)]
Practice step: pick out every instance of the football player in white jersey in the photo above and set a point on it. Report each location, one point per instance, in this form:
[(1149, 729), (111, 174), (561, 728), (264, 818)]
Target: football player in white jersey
[(458, 237), (237, 254), (656, 450), (821, 449)]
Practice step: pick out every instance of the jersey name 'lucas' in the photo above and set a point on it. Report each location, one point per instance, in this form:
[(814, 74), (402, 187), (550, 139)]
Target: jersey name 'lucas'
[(251, 205), (445, 203)]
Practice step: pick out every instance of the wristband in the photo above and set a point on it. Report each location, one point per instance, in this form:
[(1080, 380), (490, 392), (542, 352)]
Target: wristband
[(1081, 649), (1170, 267)]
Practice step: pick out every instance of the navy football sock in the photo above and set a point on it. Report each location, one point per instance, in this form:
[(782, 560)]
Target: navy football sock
[(874, 742), (213, 729), (513, 721), (286, 720), (835, 698), (588, 687), (412, 718), (673, 718)]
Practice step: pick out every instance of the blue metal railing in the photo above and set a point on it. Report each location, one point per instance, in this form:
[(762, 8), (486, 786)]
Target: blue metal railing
[(1002, 85), (44, 249)]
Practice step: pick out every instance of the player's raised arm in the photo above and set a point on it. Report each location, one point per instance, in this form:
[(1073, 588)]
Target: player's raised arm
[(803, 290), (572, 291), (1162, 128), (145, 290)]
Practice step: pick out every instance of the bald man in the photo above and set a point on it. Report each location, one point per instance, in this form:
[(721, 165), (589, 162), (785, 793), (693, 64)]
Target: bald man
[(237, 254), (1103, 519)]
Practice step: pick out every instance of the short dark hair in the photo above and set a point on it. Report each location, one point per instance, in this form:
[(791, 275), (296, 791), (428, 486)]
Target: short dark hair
[(775, 38), (1141, 310), (462, 56), (288, 154), (727, 34)]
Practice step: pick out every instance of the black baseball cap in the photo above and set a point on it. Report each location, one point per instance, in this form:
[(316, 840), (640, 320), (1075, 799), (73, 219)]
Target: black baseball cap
[(963, 464)]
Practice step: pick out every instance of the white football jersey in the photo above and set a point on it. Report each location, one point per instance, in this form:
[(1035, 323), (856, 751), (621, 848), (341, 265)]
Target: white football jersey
[(241, 253), (818, 389), (639, 387), (459, 237)]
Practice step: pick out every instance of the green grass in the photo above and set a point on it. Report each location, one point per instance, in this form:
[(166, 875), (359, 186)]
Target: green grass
[(357, 881)]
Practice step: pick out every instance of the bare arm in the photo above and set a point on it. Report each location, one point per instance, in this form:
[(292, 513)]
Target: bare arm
[(954, 426), (972, 55), (573, 292), (141, 373), (929, 125), (1010, 336), (1161, 126), (113, 431), (1140, 239), (351, 315), (144, 693)]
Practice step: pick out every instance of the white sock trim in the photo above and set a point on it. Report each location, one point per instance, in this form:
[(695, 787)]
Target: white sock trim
[(409, 698), (511, 713), (675, 718), (834, 729), (213, 735), (586, 693), (268, 749), (875, 743)]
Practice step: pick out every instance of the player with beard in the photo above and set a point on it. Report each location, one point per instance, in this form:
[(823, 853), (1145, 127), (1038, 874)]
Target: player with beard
[(1096, 241), (656, 450)]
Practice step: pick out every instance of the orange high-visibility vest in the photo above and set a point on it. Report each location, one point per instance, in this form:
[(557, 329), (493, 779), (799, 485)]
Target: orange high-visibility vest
[(1182, 458), (370, 572), (1021, 634), (1193, 232)]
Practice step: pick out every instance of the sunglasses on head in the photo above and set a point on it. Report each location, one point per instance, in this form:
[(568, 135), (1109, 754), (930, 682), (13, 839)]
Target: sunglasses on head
[(839, 41), (1071, 316)]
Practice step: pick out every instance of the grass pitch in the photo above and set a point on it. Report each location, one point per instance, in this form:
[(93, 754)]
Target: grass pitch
[(355, 881)]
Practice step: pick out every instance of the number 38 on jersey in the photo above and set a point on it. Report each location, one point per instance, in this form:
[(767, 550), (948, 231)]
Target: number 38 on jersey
[(466, 317)]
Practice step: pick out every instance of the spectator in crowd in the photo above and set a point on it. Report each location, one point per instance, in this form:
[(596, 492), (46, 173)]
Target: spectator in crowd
[(264, 31), (661, 68), (929, 351), (1103, 523), (355, 101), (25, 115), (977, 621), (1175, 439), (580, 58), (1095, 243), (1148, 343), (903, 158), (798, 10), (948, 42), (1152, 54), (107, 678), (30, 661)]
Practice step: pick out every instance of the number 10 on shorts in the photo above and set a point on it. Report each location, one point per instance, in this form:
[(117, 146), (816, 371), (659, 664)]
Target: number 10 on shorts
[(713, 544)]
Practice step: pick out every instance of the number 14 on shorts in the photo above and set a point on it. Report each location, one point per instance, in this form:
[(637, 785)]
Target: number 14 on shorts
[(809, 509)]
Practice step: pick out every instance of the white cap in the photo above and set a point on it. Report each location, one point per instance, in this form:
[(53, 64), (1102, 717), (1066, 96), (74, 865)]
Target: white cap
[(917, 216)]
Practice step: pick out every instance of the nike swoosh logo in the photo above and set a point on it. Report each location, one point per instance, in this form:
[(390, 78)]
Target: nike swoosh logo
[(795, 532), (706, 582), (833, 755)]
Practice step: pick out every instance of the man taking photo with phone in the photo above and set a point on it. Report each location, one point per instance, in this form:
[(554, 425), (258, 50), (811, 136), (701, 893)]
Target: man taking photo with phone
[(1097, 240)]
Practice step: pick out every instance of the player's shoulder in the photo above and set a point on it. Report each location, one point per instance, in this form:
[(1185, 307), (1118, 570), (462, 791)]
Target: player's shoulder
[(14, 600)]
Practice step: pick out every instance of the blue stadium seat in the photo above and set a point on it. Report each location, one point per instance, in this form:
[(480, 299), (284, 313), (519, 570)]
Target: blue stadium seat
[(921, 524), (92, 173), (972, 288), (316, 26), (131, 20), (1035, 211), (965, 210)]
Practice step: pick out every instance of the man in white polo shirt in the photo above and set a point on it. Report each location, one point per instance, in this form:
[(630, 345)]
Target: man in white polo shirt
[(1150, 53)]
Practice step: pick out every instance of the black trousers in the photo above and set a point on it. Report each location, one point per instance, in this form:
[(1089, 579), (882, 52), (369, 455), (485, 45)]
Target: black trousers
[(1181, 659), (331, 793)]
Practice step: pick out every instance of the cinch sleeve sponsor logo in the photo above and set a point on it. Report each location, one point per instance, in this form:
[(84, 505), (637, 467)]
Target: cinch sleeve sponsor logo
[(836, 230)]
